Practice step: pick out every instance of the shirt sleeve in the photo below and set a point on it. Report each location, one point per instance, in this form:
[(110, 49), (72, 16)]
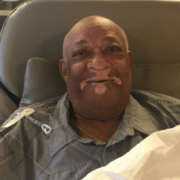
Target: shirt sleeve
[(11, 144)]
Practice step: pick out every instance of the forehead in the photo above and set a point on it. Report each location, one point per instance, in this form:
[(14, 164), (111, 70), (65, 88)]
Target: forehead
[(95, 33), (92, 34)]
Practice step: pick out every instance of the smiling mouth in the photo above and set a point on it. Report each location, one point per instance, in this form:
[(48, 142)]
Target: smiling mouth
[(99, 81)]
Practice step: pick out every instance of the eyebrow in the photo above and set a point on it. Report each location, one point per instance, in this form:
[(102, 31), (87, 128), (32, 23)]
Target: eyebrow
[(110, 38), (81, 42)]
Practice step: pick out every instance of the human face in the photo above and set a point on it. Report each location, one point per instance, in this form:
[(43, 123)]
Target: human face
[(98, 68)]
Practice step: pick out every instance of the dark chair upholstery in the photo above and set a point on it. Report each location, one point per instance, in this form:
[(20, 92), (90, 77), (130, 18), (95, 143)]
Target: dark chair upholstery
[(36, 29)]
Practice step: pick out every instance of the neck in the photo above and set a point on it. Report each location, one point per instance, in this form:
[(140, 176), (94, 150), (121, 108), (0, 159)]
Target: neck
[(98, 122), (101, 129)]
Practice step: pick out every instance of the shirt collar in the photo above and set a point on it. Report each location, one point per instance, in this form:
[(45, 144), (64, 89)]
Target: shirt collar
[(60, 121), (140, 118), (125, 127), (134, 117)]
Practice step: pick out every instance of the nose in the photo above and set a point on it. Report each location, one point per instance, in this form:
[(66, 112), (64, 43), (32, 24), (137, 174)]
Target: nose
[(98, 62)]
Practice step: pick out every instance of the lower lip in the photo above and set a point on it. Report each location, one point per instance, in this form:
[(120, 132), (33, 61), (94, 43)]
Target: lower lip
[(84, 83)]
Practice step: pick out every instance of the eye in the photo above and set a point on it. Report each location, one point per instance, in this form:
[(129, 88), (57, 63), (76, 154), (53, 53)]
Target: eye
[(115, 49), (77, 54)]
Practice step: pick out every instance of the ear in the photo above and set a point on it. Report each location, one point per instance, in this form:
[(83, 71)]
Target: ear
[(63, 69), (130, 59)]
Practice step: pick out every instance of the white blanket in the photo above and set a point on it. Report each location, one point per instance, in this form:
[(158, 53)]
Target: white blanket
[(155, 158)]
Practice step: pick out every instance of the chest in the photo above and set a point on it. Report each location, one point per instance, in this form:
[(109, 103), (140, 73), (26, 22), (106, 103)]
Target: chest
[(73, 161)]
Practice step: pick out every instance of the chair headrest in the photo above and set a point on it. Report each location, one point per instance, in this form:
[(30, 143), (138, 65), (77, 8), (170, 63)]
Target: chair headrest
[(37, 29)]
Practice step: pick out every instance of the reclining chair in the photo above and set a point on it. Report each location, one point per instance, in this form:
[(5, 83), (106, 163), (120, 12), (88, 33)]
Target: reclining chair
[(32, 37)]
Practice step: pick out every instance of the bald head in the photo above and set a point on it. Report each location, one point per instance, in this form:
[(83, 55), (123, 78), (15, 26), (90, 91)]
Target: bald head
[(89, 22), (97, 66)]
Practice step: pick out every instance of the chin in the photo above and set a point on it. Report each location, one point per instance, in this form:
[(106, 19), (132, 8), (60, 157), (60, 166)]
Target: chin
[(107, 98), (112, 96)]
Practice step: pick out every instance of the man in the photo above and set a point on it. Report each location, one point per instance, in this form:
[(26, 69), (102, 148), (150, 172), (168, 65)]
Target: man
[(97, 70), (96, 122)]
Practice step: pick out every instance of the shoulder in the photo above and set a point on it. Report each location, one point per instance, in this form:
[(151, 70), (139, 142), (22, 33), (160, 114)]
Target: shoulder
[(40, 111), (27, 123), (145, 96), (163, 110)]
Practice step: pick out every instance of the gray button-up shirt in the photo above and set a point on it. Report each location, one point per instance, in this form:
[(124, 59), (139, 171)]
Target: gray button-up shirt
[(42, 145)]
